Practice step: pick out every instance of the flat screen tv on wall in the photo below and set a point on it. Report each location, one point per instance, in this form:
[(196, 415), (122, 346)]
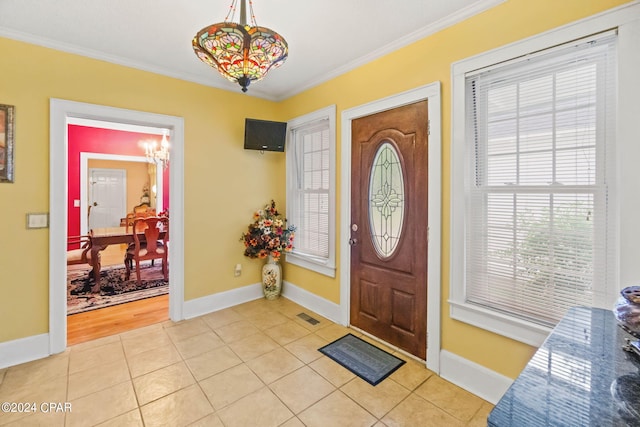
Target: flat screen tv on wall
[(264, 135)]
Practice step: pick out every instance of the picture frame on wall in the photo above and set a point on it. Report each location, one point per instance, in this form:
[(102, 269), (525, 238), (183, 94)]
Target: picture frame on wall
[(7, 123)]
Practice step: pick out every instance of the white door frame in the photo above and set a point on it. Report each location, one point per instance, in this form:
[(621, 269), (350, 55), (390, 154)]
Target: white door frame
[(62, 112), (84, 168), (430, 92)]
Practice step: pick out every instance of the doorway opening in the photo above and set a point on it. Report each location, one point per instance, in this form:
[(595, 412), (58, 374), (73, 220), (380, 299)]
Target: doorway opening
[(154, 195), (112, 184), (62, 113)]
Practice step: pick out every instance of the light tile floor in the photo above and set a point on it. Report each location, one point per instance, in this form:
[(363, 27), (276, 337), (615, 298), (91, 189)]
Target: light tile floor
[(256, 364)]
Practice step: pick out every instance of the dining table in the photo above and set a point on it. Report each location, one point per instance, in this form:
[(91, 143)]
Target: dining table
[(101, 238)]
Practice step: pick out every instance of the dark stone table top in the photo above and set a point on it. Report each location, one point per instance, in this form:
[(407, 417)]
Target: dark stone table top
[(579, 377)]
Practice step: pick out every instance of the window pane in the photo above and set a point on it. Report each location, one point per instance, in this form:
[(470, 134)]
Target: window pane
[(536, 95), (312, 207), (386, 200), (502, 170), (536, 218)]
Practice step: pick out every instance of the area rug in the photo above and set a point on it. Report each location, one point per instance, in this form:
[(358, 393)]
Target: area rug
[(114, 289), (363, 359)]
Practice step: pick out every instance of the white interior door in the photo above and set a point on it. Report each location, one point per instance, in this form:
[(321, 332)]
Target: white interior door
[(107, 197)]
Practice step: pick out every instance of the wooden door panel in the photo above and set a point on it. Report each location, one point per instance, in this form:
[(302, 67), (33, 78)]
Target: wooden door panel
[(403, 306), (399, 264), (370, 299), (388, 289), (376, 298)]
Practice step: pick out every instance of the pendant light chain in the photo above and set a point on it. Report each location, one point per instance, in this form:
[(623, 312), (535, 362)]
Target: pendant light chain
[(253, 16), (232, 11)]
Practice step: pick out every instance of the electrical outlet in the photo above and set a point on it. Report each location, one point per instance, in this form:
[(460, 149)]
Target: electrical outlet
[(238, 270)]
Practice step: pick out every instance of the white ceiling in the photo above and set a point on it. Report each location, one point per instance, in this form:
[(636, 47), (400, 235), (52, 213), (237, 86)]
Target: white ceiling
[(326, 37)]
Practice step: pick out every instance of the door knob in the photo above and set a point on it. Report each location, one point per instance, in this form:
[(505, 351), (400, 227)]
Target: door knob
[(353, 241)]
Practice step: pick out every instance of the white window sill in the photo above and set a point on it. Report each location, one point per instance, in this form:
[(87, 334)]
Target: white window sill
[(312, 264), (502, 324)]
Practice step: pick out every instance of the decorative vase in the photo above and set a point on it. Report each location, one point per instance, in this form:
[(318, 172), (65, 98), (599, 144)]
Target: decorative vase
[(627, 313), (271, 279)]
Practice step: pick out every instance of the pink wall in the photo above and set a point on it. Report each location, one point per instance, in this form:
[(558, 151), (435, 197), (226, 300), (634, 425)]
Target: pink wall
[(85, 139)]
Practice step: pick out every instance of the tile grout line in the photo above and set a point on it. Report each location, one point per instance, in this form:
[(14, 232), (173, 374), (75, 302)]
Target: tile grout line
[(253, 310), (198, 382), (135, 393)]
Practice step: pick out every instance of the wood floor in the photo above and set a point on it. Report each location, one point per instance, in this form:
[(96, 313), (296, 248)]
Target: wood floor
[(100, 323), (103, 322)]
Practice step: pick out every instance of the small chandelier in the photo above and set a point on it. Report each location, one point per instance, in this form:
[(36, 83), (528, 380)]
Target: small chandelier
[(158, 155), (241, 53)]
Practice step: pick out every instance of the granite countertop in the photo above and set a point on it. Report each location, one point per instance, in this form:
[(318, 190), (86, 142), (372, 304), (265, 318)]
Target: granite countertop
[(579, 377)]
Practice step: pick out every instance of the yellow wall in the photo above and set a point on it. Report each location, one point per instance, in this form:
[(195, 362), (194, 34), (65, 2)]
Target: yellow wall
[(418, 64), (223, 183)]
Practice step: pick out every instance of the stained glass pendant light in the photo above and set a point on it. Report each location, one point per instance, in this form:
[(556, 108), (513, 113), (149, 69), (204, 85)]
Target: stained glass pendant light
[(241, 53)]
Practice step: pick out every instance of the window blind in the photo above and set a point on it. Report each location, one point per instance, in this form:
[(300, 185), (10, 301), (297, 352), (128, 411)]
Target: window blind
[(540, 134), (311, 153)]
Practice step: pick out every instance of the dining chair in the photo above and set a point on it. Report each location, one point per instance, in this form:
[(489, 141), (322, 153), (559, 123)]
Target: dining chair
[(82, 253), (143, 210), (150, 238)]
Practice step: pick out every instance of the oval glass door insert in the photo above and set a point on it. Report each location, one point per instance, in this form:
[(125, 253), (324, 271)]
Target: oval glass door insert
[(386, 200)]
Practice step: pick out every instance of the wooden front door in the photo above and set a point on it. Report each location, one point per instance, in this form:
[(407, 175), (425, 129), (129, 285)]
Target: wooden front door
[(389, 226)]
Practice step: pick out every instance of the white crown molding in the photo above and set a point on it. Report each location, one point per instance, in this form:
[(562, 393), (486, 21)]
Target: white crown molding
[(118, 60), (454, 18), (441, 24), (94, 54)]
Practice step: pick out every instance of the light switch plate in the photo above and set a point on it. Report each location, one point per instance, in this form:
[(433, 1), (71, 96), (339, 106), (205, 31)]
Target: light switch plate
[(37, 220)]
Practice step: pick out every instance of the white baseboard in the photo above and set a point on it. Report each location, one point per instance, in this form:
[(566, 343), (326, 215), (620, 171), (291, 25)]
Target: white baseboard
[(481, 381), (311, 301), (24, 350), (37, 347), (210, 303), (474, 378)]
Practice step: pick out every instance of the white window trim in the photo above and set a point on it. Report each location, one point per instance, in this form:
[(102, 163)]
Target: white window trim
[(320, 265), (627, 20)]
